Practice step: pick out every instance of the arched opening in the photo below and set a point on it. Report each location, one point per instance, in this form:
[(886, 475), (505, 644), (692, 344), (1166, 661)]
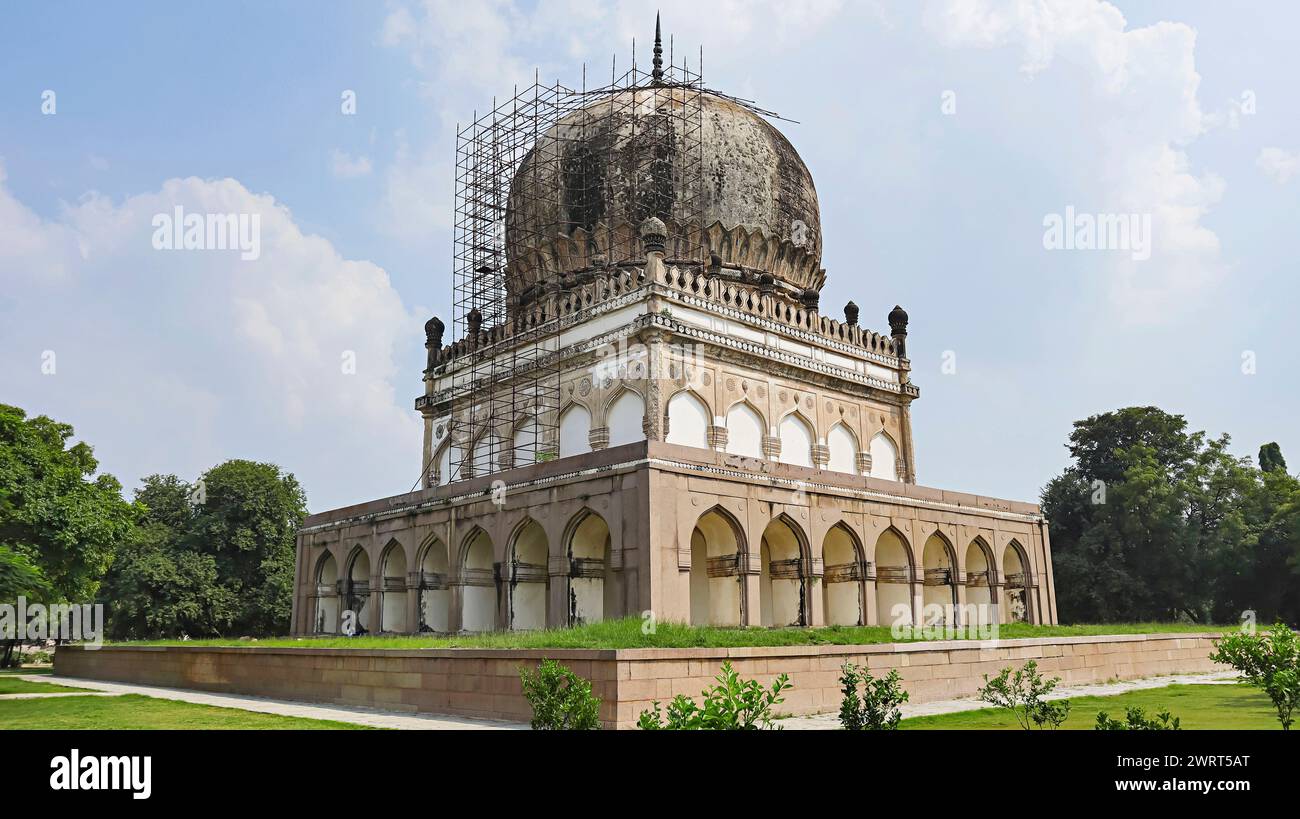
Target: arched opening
[(527, 443), (1015, 585), (327, 595), (716, 554), (478, 584), (782, 591), (939, 590), (392, 614), (625, 419), (843, 577), (487, 454), (688, 421), (744, 431), (575, 431), (444, 465), (435, 589), (796, 441), (358, 590), (590, 586), (884, 458), (893, 580), (979, 581), (528, 577), (843, 446)]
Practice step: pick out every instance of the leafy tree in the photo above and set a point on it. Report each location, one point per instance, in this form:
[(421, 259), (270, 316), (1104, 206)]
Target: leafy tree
[(67, 523), (1135, 719), (731, 705), (18, 578), (1146, 519), (561, 700), (1264, 574), (870, 704), (1270, 458), (1024, 693), (158, 586), (60, 524), (1270, 661), (247, 521)]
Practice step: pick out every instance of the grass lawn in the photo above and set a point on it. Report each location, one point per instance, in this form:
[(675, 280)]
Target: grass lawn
[(13, 685), (1235, 706), (45, 669), (134, 712), (627, 633)]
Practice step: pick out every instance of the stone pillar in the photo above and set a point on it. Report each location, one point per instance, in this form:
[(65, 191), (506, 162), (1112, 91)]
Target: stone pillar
[(960, 579), (655, 425), (717, 437), (864, 463), (598, 437), (455, 604), (815, 597), (557, 591), (375, 609), (772, 447), (821, 455), (413, 602), (869, 602)]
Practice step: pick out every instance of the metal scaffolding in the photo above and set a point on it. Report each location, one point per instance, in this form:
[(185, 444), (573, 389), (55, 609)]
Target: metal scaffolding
[(556, 163)]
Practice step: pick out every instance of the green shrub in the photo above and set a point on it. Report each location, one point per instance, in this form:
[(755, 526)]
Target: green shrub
[(1024, 693), (561, 700), (870, 704), (1270, 661), (1135, 719), (731, 705)]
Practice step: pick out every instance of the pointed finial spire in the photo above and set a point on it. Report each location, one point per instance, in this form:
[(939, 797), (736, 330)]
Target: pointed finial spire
[(657, 75)]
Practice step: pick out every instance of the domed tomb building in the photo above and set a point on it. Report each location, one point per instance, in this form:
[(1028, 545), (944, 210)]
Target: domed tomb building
[(644, 408)]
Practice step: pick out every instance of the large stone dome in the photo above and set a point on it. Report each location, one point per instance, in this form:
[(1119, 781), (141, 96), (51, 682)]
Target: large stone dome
[(723, 180)]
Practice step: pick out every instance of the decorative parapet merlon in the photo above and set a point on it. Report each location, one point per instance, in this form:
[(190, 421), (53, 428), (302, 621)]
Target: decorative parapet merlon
[(736, 290)]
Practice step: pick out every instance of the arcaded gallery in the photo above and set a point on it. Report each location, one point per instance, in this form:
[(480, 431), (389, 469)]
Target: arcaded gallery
[(644, 409)]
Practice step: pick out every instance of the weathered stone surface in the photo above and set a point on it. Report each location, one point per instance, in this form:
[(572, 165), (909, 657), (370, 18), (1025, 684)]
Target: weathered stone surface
[(695, 160), (485, 682)]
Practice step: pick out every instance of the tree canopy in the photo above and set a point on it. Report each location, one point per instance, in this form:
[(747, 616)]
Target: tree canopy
[(209, 559), (205, 559), (65, 521), (1152, 521)]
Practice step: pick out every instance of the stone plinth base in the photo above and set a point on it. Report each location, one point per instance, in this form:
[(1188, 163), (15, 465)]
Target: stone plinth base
[(485, 682)]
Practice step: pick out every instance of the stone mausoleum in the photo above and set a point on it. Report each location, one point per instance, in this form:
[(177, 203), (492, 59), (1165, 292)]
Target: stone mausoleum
[(648, 411)]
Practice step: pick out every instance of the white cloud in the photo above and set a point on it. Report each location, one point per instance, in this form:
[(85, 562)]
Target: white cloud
[(344, 166), (1278, 165), (171, 361), (1143, 111)]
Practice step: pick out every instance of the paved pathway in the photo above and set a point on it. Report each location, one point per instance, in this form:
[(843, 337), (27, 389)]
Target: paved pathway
[(393, 719), (821, 722), (340, 713)]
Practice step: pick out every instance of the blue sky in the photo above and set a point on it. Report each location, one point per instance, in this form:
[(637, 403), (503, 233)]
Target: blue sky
[(173, 362)]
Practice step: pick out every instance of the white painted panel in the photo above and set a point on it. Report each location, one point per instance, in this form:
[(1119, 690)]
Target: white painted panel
[(688, 421), (844, 449), (796, 441), (744, 432), (884, 458), (625, 419), (575, 432)]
